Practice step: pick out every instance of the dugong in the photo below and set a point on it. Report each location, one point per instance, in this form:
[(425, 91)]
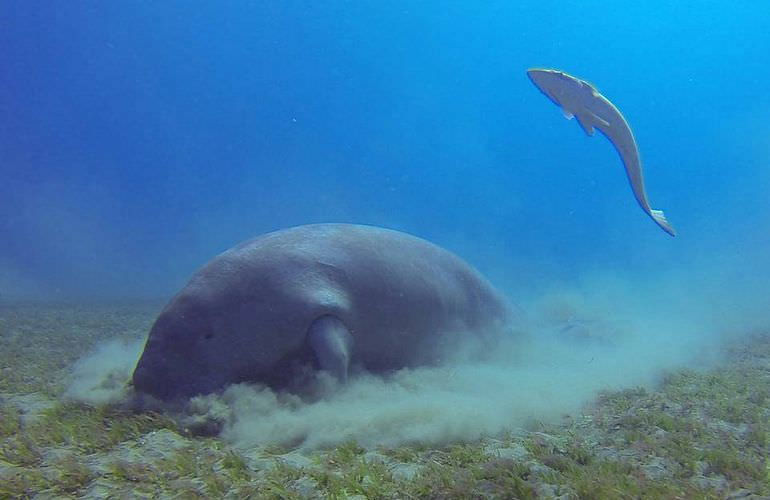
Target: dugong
[(331, 296)]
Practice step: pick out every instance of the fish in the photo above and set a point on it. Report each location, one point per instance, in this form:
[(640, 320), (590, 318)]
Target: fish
[(579, 99)]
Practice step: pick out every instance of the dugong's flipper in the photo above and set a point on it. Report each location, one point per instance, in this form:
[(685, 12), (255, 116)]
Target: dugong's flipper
[(331, 343)]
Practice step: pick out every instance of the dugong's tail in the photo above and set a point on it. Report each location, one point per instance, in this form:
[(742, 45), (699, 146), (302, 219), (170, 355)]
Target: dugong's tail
[(660, 219)]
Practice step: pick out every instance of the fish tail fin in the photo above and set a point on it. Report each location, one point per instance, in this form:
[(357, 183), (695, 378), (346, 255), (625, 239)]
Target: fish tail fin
[(660, 219)]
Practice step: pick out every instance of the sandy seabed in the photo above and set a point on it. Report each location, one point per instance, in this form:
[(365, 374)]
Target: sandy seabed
[(689, 434)]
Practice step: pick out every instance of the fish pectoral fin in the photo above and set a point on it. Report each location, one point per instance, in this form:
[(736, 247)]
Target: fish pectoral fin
[(598, 120), (588, 120), (567, 114), (332, 343), (585, 124)]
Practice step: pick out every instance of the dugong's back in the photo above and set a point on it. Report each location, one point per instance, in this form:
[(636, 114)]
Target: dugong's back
[(396, 292), (397, 298)]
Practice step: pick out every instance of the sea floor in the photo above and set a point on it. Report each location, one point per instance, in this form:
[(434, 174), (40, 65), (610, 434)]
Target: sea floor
[(698, 434)]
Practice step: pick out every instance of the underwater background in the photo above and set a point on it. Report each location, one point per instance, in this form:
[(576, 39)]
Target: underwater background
[(140, 139)]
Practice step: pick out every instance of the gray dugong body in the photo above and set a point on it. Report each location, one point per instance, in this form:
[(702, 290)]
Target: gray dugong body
[(328, 294)]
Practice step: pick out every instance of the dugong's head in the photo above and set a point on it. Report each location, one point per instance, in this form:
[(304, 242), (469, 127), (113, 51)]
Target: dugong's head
[(220, 329), (180, 352)]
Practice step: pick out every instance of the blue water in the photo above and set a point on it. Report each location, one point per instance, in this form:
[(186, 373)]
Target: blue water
[(139, 139)]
